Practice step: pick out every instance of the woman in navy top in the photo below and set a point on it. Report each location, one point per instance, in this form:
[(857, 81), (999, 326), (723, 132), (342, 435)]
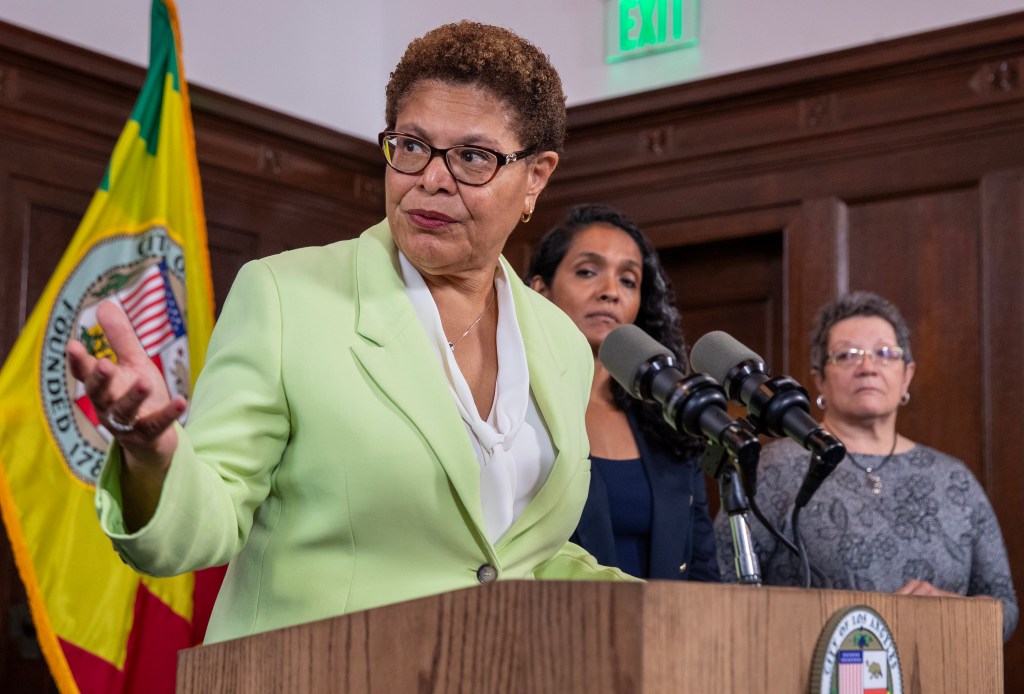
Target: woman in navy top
[(647, 512)]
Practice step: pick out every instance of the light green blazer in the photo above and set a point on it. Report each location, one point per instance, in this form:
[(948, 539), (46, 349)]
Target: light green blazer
[(325, 457)]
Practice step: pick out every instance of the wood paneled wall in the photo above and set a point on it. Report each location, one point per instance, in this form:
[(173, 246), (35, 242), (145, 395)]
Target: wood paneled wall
[(896, 167)]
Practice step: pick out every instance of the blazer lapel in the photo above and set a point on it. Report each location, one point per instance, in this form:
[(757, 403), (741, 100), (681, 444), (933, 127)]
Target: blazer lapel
[(559, 407), (399, 358)]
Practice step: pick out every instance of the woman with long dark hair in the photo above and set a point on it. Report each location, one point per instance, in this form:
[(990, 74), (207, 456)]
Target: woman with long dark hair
[(647, 512)]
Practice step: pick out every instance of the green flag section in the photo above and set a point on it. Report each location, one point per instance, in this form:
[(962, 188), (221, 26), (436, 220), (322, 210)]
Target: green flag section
[(141, 243)]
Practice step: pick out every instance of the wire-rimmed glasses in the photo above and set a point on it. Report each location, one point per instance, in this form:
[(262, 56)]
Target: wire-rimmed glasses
[(855, 356)]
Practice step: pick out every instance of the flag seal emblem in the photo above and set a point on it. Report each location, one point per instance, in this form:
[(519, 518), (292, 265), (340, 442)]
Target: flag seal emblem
[(144, 272), (856, 654)]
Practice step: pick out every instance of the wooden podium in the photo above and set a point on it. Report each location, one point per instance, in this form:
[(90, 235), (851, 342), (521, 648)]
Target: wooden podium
[(548, 636)]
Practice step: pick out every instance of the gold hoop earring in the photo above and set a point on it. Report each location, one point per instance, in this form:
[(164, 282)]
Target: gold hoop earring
[(526, 217)]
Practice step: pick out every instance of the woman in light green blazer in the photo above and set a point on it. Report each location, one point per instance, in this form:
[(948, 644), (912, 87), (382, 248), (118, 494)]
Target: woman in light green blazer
[(352, 440)]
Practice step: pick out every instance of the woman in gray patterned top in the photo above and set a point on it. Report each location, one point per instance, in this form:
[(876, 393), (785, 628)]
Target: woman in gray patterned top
[(895, 516)]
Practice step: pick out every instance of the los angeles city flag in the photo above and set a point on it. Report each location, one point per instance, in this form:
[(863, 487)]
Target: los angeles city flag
[(142, 243)]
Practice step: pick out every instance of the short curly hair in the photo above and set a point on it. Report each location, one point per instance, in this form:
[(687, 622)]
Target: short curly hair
[(496, 59), (851, 305), (658, 315)]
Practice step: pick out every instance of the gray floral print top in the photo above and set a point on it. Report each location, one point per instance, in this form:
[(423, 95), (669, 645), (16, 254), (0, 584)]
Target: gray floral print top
[(930, 520)]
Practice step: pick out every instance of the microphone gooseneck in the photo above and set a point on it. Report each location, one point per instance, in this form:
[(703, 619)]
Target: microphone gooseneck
[(776, 406)]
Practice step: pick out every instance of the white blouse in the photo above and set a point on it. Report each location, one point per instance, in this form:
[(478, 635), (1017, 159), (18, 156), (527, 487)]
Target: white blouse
[(512, 445)]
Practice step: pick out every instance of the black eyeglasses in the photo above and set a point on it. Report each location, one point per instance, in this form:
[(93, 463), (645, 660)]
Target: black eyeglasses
[(469, 164)]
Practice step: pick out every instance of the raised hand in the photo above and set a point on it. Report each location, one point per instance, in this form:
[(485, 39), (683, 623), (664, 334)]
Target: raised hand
[(132, 401)]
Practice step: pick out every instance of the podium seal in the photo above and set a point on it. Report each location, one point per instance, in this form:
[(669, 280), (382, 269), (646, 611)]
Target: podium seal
[(856, 654)]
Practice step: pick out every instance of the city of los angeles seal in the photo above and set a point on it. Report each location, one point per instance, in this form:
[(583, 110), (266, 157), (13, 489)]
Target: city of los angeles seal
[(856, 654)]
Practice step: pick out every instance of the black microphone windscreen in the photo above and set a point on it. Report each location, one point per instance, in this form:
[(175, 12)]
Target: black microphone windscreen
[(717, 353), (625, 350)]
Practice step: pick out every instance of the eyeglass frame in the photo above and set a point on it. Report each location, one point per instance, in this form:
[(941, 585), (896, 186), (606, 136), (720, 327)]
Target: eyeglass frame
[(896, 354), (501, 158)]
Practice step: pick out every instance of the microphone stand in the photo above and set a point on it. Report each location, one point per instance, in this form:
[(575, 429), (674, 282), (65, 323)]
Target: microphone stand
[(734, 502)]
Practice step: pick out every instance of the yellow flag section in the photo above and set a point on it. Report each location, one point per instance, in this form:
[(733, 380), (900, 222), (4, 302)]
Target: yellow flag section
[(141, 243)]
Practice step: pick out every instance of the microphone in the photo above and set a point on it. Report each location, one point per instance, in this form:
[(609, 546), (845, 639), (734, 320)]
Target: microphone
[(694, 405), (776, 406)]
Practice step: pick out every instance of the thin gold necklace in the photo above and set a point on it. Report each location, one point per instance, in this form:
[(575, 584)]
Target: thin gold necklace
[(874, 481), (452, 343)]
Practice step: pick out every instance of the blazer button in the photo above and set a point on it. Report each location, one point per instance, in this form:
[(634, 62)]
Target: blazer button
[(486, 574), (682, 568)]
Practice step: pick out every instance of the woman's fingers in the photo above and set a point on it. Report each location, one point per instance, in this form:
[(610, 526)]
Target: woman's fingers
[(132, 380), (99, 384), (909, 587), (134, 416), (129, 393), (918, 587), (153, 425), (80, 360), (124, 412), (120, 334)]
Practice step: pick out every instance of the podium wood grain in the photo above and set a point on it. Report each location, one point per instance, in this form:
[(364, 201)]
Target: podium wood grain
[(542, 636)]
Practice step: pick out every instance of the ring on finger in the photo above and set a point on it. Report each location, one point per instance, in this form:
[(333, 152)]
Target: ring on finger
[(117, 426)]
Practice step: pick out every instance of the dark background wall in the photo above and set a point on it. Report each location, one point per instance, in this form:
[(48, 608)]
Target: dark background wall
[(897, 167)]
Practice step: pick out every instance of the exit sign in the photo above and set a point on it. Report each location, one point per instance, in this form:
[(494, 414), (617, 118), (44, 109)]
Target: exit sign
[(636, 28)]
